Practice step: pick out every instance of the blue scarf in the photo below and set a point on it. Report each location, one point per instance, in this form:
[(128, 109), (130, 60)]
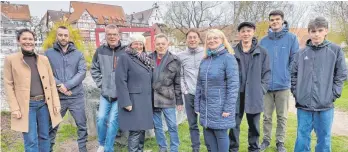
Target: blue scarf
[(216, 51)]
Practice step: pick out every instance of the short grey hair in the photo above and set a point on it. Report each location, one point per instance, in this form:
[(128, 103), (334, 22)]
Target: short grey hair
[(161, 35), (111, 26), (318, 22)]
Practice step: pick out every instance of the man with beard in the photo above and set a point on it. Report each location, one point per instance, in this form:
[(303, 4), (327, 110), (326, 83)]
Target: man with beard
[(69, 70), (253, 63)]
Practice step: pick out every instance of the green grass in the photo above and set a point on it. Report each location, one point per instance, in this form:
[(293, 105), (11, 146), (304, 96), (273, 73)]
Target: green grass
[(339, 143), (68, 132), (342, 102)]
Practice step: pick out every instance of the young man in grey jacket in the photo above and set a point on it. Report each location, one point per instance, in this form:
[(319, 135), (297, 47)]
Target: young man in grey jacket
[(103, 72), (69, 70), (190, 61), (317, 76)]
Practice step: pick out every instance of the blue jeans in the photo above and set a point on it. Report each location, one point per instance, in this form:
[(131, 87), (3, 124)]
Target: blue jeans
[(107, 123), (170, 117), (217, 139), (321, 121), (37, 138)]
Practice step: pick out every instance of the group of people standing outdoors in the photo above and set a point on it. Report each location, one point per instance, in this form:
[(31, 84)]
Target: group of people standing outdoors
[(216, 84)]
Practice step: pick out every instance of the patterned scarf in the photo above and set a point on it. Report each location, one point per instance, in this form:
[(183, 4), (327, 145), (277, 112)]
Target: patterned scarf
[(142, 57), (216, 51)]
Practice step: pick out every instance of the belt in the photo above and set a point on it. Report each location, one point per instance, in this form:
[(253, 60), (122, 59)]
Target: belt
[(37, 98), (110, 98)]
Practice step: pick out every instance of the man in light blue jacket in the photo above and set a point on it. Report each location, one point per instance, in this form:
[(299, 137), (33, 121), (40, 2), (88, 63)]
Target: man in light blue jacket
[(281, 46)]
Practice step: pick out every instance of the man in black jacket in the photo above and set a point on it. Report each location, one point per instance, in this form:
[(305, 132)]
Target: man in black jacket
[(167, 93), (254, 73)]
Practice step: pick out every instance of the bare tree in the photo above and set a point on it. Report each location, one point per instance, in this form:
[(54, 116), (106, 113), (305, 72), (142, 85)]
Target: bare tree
[(194, 14), (36, 26)]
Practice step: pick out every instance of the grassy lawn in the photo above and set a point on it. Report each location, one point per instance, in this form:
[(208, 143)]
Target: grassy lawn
[(68, 132), (342, 102)]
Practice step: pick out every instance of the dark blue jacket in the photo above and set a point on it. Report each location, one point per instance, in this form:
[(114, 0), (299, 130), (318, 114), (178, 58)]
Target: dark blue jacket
[(133, 83), (68, 68), (217, 90), (281, 47), (257, 79), (317, 76)]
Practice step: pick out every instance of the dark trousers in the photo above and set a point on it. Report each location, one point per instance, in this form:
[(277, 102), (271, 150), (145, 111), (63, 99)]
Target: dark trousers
[(253, 131), (76, 108), (136, 141), (192, 120), (217, 139)]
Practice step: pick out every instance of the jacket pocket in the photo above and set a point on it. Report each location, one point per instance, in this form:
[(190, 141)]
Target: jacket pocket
[(135, 90)]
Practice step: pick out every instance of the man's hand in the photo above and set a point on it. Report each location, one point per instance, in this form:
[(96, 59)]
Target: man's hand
[(225, 114), (16, 114), (179, 107), (129, 108), (62, 88), (56, 110), (68, 93)]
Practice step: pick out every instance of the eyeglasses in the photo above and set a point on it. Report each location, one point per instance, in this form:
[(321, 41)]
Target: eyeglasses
[(112, 35), (213, 38)]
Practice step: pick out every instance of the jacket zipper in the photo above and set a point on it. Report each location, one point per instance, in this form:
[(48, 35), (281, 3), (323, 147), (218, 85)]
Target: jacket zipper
[(206, 94)]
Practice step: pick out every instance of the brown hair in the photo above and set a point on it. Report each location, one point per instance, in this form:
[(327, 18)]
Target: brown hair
[(276, 12), (318, 23)]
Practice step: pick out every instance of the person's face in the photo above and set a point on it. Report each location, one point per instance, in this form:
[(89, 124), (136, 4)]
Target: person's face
[(192, 40), (317, 35), (246, 34), (213, 41), (26, 41), (161, 45), (138, 46), (112, 37), (276, 22), (63, 36)]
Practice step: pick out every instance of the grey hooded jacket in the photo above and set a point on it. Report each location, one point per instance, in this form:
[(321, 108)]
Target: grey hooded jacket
[(103, 69), (317, 76)]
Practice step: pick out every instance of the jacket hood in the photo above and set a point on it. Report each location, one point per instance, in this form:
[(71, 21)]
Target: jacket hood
[(277, 35), (322, 45), (254, 45), (71, 47)]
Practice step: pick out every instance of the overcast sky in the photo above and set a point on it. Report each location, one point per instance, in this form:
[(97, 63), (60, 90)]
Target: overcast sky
[(39, 8)]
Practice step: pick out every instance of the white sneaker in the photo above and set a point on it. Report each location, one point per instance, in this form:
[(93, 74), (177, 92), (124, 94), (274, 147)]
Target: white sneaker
[(100, 149)]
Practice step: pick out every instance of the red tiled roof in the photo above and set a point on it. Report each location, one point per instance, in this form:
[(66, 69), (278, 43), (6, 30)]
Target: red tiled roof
[(102, 13), (16, 11)]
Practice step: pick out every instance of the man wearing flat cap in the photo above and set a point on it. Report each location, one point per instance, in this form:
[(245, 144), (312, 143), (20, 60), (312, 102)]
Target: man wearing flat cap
[(254, 72)]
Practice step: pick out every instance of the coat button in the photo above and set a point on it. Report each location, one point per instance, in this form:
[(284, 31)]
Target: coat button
[(45, 87), (43, 77), (48, 98)]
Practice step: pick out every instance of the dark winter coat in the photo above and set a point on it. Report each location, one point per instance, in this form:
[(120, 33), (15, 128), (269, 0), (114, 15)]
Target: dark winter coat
[(257, 79), (133, 83), (68, 68)]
